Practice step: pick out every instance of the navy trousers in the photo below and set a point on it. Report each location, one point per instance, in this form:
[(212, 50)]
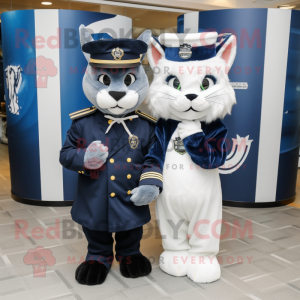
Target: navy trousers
[(100, 244)]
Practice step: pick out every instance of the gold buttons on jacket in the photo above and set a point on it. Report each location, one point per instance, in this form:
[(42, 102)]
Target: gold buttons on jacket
[(111, 160), (80, 172), (109, 121), (129, 192), (112, 177), (130, 119), (128, 176), (128, 159), (112, 195)]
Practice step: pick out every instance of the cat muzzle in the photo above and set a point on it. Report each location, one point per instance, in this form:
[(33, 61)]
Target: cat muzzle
[(191, 109), (191, 96), (117, 95)]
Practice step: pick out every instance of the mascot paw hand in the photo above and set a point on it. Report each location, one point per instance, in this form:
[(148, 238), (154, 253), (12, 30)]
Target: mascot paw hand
[(135, 266), (187, 128), (144, 194), (95, 156), (91, 273)]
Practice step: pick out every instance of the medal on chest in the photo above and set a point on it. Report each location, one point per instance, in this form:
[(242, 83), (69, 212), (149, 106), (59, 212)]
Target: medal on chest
[(179, 146), (133, 141)]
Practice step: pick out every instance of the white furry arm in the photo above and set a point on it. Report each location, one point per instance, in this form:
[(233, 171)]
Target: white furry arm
[(187, 128)]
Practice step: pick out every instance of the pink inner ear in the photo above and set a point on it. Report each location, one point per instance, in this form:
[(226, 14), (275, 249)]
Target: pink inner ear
[(226, 53), (156, 55)]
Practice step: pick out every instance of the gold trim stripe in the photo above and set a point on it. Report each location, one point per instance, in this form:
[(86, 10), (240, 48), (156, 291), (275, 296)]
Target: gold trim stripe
[(156, 176), (146, 115), (79, 111), (155, 173), (152, 177), (114, 62), (83, 113), (152, 174)]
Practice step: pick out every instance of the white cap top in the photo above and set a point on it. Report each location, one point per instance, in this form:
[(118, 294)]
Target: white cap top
[(194, 39)]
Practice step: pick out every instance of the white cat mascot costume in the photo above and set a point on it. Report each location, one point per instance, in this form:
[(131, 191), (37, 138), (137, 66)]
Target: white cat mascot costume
[(190, 93)]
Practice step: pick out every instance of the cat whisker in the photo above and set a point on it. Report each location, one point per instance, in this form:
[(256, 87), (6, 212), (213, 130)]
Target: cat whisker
[(217, 91), (91, 83), (165, 98), (215, 102), (163, 93), (141, 88), (218, 95)]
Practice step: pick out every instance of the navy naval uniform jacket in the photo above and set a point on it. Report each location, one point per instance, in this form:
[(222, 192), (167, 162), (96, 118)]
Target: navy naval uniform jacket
[(102, 201)]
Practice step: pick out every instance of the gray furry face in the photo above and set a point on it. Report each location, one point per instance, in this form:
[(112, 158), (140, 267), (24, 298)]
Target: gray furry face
[(115, 91)]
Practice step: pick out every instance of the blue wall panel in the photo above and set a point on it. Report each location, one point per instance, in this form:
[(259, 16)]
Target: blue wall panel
[(18, 31)]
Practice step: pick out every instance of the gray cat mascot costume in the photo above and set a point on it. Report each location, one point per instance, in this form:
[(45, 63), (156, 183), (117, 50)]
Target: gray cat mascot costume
[(107, 145)]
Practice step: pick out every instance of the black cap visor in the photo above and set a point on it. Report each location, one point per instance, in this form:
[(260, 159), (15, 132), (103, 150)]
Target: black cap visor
[(115, 66)]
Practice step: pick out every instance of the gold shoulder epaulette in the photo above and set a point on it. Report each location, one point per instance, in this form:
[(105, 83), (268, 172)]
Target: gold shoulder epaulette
[(146, 116), (83, 112)]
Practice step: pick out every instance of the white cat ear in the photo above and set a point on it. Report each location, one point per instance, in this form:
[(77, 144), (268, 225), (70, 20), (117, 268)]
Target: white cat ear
[(226, 48), (155, 52)]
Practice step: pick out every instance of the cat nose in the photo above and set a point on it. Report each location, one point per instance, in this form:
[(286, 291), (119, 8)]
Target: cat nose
[(117, 95), (191, 96)]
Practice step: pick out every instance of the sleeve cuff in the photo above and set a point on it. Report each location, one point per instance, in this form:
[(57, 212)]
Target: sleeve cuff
[(78, 160), (152, 178), (86, 172)]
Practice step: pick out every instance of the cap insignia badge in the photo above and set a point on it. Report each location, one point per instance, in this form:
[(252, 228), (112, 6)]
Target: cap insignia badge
[(117, 53), (185, 51)]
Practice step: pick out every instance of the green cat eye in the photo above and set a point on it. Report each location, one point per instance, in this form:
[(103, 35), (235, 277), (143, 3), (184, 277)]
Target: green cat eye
[(205, 84), (176, 84), (208, 82)]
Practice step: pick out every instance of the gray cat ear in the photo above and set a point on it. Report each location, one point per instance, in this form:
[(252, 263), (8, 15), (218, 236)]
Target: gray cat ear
[(145, 37), (85, 37)]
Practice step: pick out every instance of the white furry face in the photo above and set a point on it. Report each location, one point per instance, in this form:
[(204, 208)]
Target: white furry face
[(193, 90), (106, 101)]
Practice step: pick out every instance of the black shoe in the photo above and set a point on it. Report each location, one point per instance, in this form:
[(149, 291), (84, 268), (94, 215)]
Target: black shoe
[(91, 272), (135, 266)]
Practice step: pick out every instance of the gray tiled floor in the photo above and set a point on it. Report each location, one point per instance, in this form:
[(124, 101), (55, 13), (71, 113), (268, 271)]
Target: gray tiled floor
[(268, 268)]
